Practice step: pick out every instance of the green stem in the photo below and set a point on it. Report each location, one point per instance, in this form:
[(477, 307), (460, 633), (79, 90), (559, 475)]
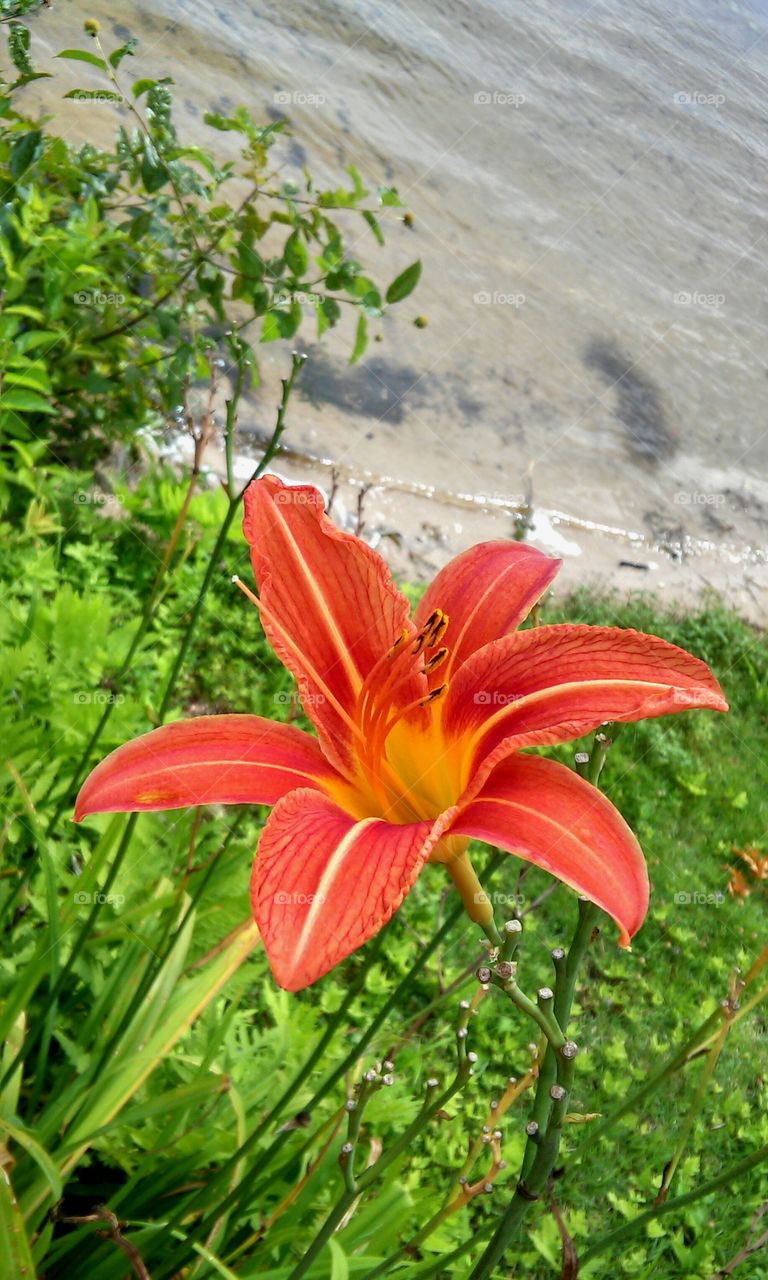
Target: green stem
[(342, 1206), (630, 1229), (237, 1199)]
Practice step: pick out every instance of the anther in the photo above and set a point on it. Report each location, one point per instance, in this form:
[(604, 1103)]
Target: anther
[(434, 695), (438, 631), (436, 659)]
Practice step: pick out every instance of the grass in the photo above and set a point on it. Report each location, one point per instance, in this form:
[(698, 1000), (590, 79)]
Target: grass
[(692, 787)]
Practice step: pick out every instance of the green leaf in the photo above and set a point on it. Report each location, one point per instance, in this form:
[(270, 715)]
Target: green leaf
[(82, 55), (125, 51), (33, 1148), (270, 330), (373, 224), (25, 402), (405, 283), (24, 152), (154, 175), (361, 338), (15, 1256), (141, 86), (295, 254), (339, 1265)]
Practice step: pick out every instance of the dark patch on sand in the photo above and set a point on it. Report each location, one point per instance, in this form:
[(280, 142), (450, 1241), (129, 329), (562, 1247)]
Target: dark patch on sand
[(377, 389), (639, 407)]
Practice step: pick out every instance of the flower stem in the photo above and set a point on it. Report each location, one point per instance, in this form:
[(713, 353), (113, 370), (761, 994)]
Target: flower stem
[(476, 902)]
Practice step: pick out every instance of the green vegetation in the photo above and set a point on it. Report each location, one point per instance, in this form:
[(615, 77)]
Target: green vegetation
[(160, 1099)]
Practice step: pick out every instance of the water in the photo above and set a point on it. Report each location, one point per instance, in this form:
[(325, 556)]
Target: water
[(589, 191)]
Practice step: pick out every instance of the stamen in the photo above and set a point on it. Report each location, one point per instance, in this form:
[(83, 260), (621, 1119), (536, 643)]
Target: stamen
[(246, 591), (433, 695), (438, 631), (436, 659)]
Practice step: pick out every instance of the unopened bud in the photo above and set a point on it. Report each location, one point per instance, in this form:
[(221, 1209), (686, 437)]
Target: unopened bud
[(461, 1034), (582, 757), (471, 1056), (388, 1078), (91, 27), (369, 1076), (462, 1182), (432, 1082), (389, 1065), (463, 1004)]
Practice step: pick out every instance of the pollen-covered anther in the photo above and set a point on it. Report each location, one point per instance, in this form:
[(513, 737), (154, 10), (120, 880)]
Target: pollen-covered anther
[(436, 659), (433, 695), (438, 630)]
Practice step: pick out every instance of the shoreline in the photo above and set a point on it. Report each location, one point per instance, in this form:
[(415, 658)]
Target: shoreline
[(418, 528)]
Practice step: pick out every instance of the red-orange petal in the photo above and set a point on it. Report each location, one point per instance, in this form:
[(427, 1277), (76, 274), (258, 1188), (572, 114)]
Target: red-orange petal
[(487, 591), (556, 683), (331, 610), (323, 883), (545, 813), (234, 759)]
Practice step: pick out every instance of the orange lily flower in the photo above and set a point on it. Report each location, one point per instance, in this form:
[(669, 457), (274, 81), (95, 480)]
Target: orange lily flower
[(420, 724)]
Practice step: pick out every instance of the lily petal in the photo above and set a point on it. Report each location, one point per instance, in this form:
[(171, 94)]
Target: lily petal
[(556, 683), (330, 608), (548, 815), (236, 759), (323, 883), (487, 592)]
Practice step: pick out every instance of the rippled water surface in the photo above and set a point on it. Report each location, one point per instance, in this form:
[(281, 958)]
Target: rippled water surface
[(588, 183)]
